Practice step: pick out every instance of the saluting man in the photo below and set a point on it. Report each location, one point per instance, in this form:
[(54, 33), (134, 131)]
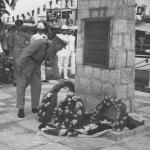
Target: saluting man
[(28, 70)]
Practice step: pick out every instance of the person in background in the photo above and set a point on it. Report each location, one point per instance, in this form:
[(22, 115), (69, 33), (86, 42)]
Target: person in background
[(28, 70), (64, 54), (17, 42), (72, 50), (40, 35), (5, 42), (1, 63)]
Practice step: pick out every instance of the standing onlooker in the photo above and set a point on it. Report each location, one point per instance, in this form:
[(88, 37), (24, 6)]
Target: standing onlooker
[(17, 42), (64, 54), (40, 35), (1, 63), (72, 50)]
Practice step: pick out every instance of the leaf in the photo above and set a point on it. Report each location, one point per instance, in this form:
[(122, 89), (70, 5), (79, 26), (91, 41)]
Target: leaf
[(2, 5), (5, 12), (13, 4), (7, 1)]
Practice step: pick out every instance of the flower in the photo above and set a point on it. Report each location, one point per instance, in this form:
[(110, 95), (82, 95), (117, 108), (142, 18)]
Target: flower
[(78, 105), (75, 98), (74, 122), (66, 120), (43, 113), (49, 94), (79, 112), (69, 99)]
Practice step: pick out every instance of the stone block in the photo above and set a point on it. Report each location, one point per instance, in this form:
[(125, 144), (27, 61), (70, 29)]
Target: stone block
[(106, 89), (115, 77), (91, 103), (96, 73), (127, 75), (131, 2), (94, 13), (111, 90), (130, 58), (110, 12), (127, 41), (116, 3), (79, 41), (94, 3), (83, 13), (118, 12), (117, 41), (131, 26), (79, 70), (128, 12), (88, 71), (104, 3), (130, 90), (79, 56), (121, 59), (120, 26), (112, 57), (105, 76), (121, 91), (82, 85), (83, 4), (96, 87), (133, 42)]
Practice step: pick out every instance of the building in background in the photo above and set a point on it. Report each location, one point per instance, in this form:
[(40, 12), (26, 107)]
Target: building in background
[(64, 12), (36, 10)]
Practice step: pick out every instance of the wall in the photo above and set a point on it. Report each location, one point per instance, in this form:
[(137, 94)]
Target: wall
[(93, 83)]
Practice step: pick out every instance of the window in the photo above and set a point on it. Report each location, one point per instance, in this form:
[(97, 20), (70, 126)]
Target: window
[(38, 10), (96, 48)]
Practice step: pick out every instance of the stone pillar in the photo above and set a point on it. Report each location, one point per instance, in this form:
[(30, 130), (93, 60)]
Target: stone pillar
[(93, 83)]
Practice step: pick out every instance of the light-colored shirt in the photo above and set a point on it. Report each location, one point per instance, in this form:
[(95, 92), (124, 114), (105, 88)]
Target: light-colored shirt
[(64, 52), (1, 49), (71, 43), (38, 36)]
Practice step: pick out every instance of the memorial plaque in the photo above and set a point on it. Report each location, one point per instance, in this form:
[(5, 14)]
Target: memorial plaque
[(96, 48)]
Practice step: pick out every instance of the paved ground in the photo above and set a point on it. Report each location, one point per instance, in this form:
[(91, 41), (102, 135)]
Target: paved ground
[(23, 134)]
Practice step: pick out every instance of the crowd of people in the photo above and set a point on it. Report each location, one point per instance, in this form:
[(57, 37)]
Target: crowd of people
[(30, 53)]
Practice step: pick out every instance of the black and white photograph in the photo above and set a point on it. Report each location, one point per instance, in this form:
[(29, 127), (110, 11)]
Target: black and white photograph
[(74, 75)]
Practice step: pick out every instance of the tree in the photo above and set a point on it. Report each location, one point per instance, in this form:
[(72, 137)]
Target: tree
[(3, 4)]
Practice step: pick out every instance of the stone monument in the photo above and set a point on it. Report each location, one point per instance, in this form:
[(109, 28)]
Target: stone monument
[(105, 51)]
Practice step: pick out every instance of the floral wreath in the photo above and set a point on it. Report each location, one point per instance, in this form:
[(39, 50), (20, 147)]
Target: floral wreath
[(66, 117), (110, 111), (69, 114), (49, 101)]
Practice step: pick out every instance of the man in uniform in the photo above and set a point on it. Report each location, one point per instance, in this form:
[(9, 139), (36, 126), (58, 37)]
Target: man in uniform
[(28, 72), (17, 42), (64, 53)]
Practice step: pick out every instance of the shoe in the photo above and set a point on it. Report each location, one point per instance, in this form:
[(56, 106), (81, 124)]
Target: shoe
[(35, 110), (45, 81), (21, 113)]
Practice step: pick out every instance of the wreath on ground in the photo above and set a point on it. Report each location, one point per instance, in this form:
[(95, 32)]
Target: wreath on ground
[(110, 111), (49, 101), (66, 118)]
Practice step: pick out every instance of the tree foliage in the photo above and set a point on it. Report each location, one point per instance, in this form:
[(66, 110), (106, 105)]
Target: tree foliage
[(3, 9)]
